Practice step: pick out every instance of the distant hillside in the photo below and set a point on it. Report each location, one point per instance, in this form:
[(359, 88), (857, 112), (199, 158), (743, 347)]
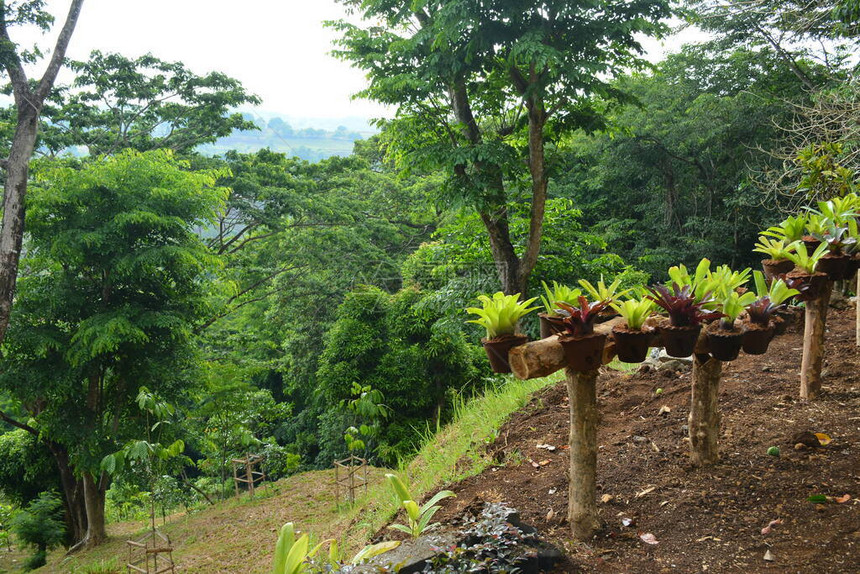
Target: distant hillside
[(284, 135)]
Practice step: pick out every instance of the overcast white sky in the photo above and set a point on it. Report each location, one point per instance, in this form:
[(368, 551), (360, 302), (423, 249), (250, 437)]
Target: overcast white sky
[(278, 49)]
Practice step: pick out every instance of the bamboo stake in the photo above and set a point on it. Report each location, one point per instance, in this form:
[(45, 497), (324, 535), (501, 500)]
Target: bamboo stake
[(582, 501), (813, 343)]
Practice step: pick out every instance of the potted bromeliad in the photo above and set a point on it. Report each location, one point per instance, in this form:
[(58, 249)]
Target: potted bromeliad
[(499, 316), (777, 250), (583, 348), (686, 313), (761, 313), (725, 337), (604, 292), (840, 245), (550, 319), (805, 277), (633, 338)]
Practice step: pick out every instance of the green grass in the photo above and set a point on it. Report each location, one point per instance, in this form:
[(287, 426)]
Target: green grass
[(238, 534), (455, 452)]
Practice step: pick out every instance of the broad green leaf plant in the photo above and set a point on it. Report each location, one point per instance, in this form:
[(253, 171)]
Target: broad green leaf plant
[(635, 311), (418, 517), (557, 293), (292, 554), (500, 314)]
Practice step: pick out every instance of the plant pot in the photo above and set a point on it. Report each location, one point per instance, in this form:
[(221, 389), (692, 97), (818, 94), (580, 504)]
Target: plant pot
[(724, 345), (679, 341), (631, 345), (814, 284), (833, 265), (811, 243), (550, 325), (584, 353), (497, 351), (775, 267), (757, 338), (851, 267)]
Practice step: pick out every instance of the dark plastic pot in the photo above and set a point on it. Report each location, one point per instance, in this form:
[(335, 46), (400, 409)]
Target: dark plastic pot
[(811, 243), (631, 346), (833, 265), (757, 338), (815, 283), (851, 267), (497, 351), (724, 345), (550, 325), (679, 341), (774, 267), (583, 353)]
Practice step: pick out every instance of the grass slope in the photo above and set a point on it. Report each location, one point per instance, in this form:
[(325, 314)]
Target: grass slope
[(238, 535)]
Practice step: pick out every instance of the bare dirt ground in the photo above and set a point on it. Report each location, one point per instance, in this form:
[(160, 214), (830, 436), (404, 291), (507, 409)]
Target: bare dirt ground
[(704, 520)]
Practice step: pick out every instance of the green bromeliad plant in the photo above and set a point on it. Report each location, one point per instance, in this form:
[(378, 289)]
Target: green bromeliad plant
[(770, 298), (777, 249), (806, 261), (557, 293), (732, 305), (500, 313), (635, 311), (293, 555), (603, 292), (791, 229)]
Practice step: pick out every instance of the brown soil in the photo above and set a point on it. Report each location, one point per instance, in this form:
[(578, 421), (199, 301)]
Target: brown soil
[(706, 520)]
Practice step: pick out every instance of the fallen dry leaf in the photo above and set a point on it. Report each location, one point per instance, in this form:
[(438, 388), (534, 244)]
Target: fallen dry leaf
[(548, 447), (544, 462), (842, 499), (606, 498), (766, 530), (648, 538), (768, 556), (823, 438), (626, 521), (550, 514), (663, 410)]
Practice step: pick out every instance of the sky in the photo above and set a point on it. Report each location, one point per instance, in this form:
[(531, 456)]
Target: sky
[(278, 49)]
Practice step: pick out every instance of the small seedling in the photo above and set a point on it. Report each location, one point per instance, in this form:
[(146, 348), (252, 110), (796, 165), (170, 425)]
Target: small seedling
[(773, 451), (658, 391)]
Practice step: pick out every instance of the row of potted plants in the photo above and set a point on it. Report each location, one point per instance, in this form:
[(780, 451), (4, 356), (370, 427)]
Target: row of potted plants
[(804, 252), (816, 245), (689, 301)]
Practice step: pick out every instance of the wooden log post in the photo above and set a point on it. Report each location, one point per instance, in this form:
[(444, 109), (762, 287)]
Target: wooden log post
[(813, 343), (704, 420), (582, 488)]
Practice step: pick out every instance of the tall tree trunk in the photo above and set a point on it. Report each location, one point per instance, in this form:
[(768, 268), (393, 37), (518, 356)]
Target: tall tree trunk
[(504, 256), (28, 103), (75, 515), (537, 170), (94, 496)]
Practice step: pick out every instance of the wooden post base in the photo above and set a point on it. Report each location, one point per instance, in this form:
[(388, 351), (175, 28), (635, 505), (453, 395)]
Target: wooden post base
[(582, 505), (704, 421), (813, 344)]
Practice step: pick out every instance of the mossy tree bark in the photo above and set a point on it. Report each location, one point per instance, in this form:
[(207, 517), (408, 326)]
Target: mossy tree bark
[(813, 344), (582, 502), (704, 420)]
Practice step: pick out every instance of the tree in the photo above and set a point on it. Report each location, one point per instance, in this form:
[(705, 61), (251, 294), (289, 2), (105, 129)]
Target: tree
[(29, 100), (116, 280), (486, 90), (145, 103)]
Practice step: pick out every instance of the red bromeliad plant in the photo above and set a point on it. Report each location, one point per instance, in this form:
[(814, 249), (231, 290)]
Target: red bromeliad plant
[(682, 305), (580, 321)]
